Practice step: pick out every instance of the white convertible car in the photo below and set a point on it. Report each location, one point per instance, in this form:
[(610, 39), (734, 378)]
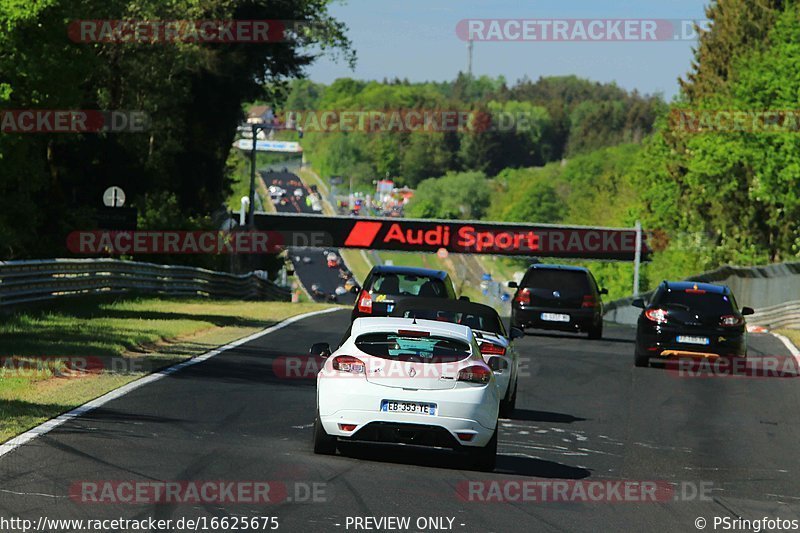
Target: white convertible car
[(410, 382)]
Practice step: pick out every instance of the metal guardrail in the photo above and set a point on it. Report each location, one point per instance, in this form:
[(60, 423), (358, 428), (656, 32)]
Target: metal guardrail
[(32, 281), (772, 290), (778, 316)]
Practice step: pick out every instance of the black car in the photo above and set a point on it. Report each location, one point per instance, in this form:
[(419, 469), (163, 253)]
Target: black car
[(685, 318), (385, 286), (558, 297)]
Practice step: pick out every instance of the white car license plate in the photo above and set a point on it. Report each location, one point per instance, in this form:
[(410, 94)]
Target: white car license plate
[(419, 408), (555, 317), (692, 340)]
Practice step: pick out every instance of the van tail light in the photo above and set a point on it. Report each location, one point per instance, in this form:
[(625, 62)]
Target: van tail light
[(365, 302), (488, 348), (348, 363), (731, 321), (659, 316), (475, 374), (523, 297), (589, 301)]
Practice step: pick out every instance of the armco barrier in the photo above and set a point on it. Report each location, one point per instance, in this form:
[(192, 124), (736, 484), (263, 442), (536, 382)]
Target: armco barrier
[(31, 281), (772, 290)]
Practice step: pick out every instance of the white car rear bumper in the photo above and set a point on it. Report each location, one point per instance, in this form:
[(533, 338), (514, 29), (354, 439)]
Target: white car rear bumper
[(469, 409)]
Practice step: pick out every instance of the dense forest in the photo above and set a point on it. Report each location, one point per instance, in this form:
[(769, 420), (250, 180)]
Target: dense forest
[(589, 153), (176, 173), (534, 122), (602, 156)]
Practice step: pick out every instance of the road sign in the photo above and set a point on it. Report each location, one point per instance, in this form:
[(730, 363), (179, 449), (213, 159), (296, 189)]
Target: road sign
[(269, 146), (116, 218), (472, 237), (114, 197)]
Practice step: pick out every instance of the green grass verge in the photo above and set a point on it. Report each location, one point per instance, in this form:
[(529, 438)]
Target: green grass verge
[(792, 334), (131, 337), (310, 178)]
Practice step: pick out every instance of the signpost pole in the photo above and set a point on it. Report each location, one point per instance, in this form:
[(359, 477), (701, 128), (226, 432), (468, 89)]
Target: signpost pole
[(637, 259), (252, 206)]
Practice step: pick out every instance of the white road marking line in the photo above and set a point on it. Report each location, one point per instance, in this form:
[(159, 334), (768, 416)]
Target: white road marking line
[(53, 423), (789, 346)]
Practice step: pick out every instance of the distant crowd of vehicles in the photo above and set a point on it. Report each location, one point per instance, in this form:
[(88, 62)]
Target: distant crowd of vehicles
[(419, 366)]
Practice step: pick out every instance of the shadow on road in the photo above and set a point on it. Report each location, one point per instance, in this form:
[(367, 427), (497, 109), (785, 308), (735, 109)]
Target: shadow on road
[(568, 335), (506, 464), (529, 415)]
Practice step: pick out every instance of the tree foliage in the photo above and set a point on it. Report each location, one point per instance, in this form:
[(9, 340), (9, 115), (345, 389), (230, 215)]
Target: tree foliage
[(192, 92), (532, 124), (731, 196)]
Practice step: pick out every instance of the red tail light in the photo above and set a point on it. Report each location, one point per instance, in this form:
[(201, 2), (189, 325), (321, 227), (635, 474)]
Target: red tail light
[(413, 333), (347, 427), (731, 321), (589, 301), (475, 374), (488, 348), (364, 302), (659, 316), (347, 363), (523, 297)]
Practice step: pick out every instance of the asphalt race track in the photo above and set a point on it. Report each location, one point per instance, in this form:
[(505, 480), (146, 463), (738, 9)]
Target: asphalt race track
[(583, 413), (315, 272)]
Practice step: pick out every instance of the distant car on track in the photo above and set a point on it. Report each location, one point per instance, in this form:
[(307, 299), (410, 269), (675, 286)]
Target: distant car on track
[(496, 344), (558, 297), (689, 319), (408, 381), (332, 260), (386, 286), (298, 193)]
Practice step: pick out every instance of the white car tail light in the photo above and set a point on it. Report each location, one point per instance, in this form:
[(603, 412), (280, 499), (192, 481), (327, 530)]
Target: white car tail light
[(489, 348), (347, 363), (475, 374)]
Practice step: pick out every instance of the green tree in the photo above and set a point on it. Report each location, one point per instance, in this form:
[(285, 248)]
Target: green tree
[(453, 196)]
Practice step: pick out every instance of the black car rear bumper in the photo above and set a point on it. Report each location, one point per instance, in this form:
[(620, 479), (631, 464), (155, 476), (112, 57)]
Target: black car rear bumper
[(662, 342), (579, 319)]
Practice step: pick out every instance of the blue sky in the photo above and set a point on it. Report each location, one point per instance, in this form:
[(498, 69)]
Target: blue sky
[(416, 39)]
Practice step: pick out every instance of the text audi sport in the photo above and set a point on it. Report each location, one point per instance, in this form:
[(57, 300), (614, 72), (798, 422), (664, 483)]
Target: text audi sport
[(408, 382)]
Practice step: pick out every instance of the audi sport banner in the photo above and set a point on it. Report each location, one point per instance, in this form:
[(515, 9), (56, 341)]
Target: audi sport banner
[(415, 235)]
